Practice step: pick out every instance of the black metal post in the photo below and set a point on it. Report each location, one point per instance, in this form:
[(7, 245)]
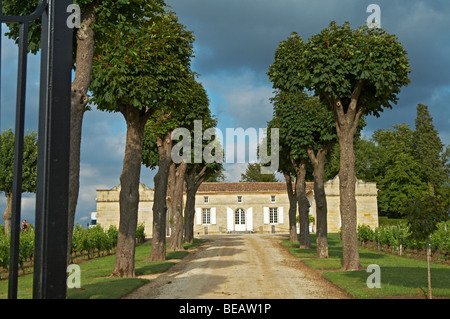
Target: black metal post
[(50, 265), (1, 34), (18, 161)]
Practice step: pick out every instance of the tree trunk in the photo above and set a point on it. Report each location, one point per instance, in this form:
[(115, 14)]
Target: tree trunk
[(7, 215), (189, 209), (193, 182), (160, 199), (292, 208), (189, 213), (321, 201), (347, 181), (176, 182), (347, 122), (129, 193), (303, 204), (79, 99)]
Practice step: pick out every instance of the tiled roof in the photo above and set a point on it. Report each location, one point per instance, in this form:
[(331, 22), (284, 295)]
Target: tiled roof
[(247, 187)]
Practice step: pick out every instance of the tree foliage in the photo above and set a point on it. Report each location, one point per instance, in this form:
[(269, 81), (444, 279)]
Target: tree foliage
[(394, 160), (108, 12), (143, 62), (424, 213), (7, 161), (399, 177), (29, 168), (253, 174), (304, 122), (161, 123), (335, 60), (429, 150)]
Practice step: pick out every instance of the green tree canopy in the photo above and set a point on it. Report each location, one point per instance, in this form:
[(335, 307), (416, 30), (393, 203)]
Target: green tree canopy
[(357, 72), (143, 62), (304, 122), (162, 123), (429, 149), (339, 60), (29, 168), (7, 161), (253, 174)]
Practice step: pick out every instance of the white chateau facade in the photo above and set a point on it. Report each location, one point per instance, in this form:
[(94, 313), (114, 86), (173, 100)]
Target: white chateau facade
[(226, 207)]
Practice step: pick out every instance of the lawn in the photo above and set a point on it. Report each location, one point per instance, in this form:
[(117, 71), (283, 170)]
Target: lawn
[(95, 280), (400, 276)]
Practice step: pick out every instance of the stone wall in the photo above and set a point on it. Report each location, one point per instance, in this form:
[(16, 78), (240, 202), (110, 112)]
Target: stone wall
[(108, 207), (366, 204)]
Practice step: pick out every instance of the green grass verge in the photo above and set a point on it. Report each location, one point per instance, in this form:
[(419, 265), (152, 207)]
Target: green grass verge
[(95, 280), (400, 276)]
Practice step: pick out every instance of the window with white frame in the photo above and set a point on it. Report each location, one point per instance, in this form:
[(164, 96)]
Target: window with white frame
[(239, 199), (273, 215), (272, 199), (239, 217), (206, 199), (206, 216)]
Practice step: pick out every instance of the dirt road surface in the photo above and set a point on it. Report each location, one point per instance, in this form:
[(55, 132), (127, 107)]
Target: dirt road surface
[(249, 266)]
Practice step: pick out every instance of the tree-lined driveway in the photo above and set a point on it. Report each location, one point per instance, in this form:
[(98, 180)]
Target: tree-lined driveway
[(249, 266)]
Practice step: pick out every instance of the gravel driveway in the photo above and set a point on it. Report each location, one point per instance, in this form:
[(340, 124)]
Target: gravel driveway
[(249, 266)]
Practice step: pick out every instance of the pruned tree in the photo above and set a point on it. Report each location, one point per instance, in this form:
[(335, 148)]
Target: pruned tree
[(309, 126), (141, 67), (209, 168), (29, 170), (169, 180), (357, 72), (293, 163), (194, 122), (157, 148)]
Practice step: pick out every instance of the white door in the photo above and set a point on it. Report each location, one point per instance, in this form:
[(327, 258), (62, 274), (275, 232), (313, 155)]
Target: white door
[(239, 220)]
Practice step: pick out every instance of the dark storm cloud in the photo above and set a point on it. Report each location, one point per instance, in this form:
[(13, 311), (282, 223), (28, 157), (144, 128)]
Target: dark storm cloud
[(245, 33)]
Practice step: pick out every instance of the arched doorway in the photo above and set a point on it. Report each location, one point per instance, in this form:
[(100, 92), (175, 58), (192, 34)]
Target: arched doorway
[(239, 220)]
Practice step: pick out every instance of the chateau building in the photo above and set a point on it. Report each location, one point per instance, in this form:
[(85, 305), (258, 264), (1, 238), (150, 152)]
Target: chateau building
[(226, 207)]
